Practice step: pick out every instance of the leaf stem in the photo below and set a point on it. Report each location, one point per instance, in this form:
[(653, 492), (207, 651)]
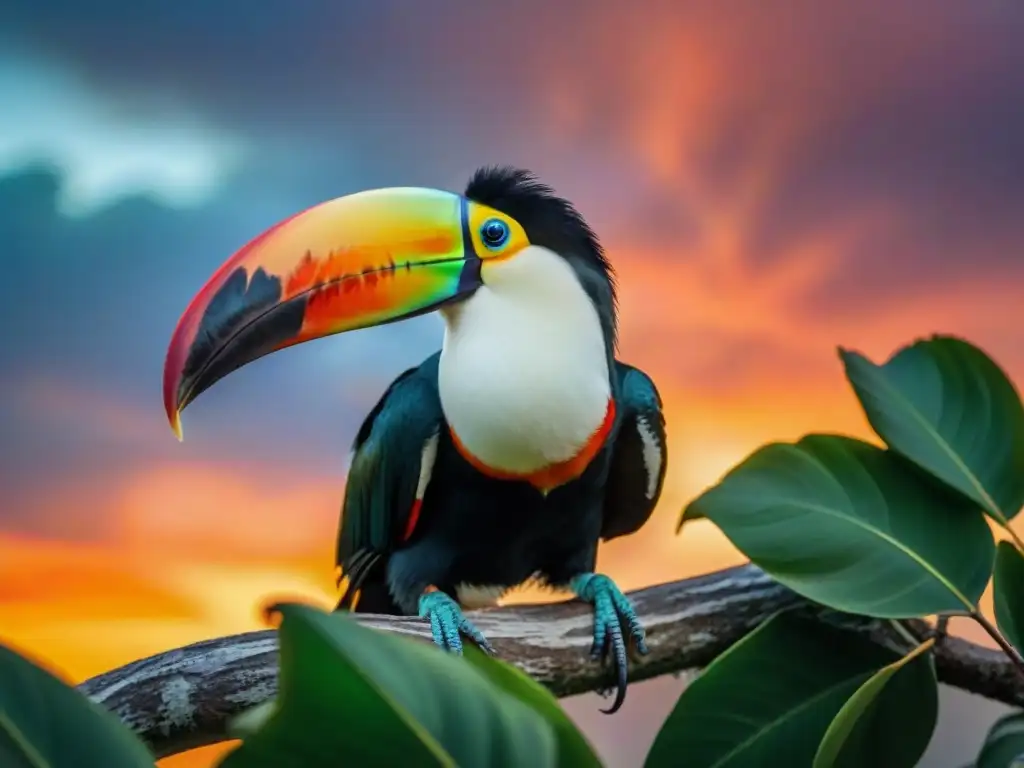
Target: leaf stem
[(905, 633), (1002, 642)]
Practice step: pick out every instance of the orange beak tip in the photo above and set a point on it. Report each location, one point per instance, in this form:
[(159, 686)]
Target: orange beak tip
[(176, 427)]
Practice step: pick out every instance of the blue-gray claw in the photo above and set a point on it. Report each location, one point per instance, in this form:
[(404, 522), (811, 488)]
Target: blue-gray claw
[(612, 609), (448, 624)]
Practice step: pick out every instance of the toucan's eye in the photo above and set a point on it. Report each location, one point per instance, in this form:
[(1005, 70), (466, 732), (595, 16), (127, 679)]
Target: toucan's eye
[(494, 233)]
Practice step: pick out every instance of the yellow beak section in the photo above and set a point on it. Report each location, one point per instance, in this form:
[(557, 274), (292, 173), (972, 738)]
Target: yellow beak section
[(357, 261)]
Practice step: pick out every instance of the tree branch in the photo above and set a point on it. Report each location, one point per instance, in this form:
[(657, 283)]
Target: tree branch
[(183, 698)]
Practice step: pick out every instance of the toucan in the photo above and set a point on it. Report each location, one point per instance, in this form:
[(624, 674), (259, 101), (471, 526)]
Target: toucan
[(505, 457)]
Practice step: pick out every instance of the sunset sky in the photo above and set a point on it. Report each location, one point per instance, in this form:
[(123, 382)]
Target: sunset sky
[(770, 180)]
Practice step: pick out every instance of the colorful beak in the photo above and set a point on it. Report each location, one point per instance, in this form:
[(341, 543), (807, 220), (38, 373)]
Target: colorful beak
[(357, 261)]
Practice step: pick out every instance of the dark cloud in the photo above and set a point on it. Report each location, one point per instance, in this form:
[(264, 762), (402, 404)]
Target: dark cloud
[(364, 79), (934, 161)]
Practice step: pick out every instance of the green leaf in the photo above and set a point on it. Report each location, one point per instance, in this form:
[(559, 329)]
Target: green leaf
[(365, 697), (1008, 593), (45, 723), (573, 748), (1004, 744), (889, 720), (245, 724), (853, 527), (946, 406), (769, 699)]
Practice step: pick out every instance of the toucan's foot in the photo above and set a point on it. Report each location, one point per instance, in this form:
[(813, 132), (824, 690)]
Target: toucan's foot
[(448, 624), (612, 610)]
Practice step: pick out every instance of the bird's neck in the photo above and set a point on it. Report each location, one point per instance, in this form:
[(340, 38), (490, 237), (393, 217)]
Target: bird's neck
[(524, 378)]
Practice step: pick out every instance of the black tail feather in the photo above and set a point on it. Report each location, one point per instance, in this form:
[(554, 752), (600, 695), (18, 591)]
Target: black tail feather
[(365, 587)]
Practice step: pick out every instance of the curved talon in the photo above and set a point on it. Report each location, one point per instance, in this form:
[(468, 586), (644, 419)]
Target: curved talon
[(448, 624), (612, 610)]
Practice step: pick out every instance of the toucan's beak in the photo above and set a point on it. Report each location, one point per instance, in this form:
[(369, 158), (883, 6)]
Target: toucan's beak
[(357, 261)]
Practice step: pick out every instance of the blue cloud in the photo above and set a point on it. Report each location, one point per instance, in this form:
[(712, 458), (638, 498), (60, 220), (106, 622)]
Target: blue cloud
[(106, 150)]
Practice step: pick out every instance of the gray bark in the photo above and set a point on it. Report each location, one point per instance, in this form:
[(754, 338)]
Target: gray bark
[(183, 698)]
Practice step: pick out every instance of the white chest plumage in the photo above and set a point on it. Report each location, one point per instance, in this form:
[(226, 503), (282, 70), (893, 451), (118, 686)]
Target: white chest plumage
[(523, 372)]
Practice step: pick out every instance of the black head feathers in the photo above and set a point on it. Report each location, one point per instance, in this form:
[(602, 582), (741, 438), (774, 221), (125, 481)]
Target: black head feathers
[(550, 221)]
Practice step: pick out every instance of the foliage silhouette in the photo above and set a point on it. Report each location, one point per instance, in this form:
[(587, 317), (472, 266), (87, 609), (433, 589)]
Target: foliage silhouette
[(44, 722), (894, 533)]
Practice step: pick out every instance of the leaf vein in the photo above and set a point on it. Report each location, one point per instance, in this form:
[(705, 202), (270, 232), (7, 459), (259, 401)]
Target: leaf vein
[(888, 539), (20, 741), (945, 447), (777, 722)]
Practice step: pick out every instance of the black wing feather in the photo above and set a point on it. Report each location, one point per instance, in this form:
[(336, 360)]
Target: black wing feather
[(629, 501), (384, 474)]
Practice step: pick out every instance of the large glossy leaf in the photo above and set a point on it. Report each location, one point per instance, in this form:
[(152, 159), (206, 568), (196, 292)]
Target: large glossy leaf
[(45, 723), (945, 405), (889, 720), (1008, 593), (1004, 744), (855, 527), (769, 699), (573, 748), (355, 696)]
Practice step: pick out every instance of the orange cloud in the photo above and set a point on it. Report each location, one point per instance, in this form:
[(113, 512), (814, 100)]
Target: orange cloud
[(102, 605), (213, 510), (730, 333), (189, 552), (34, 572), (81, 609)]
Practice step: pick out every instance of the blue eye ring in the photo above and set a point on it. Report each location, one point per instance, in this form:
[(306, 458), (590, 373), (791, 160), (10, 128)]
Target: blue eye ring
[(494, 233)]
